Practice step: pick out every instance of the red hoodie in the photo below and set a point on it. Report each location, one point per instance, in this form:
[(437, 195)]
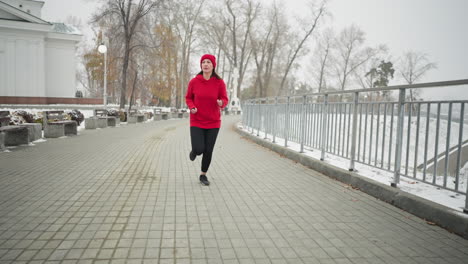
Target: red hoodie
[(203, 95)]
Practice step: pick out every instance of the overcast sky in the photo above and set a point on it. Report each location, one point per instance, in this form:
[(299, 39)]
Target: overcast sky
[(435, 27)]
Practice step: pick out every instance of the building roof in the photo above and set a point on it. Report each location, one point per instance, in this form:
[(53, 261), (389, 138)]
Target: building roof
[(65, 29), (19, 15), (15, 18)]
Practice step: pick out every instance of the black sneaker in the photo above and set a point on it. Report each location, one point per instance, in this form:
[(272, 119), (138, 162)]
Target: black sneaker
[(204, 180), (192, 156)]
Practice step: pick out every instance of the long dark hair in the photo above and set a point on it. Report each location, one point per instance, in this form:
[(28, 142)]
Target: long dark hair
[(213, 73)]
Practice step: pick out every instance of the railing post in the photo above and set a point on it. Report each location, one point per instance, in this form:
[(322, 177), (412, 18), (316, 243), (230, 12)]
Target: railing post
[(286, 125), (303, 122), (460, 140), (399, 139), (324, 126), (252, 112), (266, 119), (465, 210), (354, 132), (275, 115), (249, 115), (259, 116), (447, 143)]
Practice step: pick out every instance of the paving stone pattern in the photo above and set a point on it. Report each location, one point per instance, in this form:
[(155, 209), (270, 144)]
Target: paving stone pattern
[(131, 195)]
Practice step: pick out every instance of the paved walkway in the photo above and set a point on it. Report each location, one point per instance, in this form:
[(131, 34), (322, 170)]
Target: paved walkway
[(131, 195)]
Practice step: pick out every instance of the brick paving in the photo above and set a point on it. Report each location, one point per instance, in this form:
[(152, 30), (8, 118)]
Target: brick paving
[(131, 195)]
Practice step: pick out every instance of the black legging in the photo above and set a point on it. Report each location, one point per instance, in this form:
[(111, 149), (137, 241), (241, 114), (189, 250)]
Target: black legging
[(203, 141)]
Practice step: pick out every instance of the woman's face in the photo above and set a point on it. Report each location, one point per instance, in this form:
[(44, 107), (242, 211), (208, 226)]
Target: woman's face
[(207, 66)]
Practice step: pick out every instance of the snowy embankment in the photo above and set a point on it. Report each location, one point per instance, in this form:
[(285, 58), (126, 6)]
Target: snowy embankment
[(414, 186)]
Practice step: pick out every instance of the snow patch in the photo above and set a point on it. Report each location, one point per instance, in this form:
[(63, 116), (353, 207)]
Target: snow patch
[(448, 198)]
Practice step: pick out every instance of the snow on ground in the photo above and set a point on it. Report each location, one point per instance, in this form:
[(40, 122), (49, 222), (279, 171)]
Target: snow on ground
[(371, 134), (376, 142), (430, 192)]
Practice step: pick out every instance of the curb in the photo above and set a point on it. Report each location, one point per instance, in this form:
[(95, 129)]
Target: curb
[(443, 216)]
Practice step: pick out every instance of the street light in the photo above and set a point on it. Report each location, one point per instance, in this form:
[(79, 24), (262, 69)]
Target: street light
[(103, 49)]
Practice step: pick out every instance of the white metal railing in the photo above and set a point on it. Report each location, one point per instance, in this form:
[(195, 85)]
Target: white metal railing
[(423, 140)]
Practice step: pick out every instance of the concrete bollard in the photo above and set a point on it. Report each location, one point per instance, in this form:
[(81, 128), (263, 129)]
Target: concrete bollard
[(90, 123), (18, 136), (101, 122), (113, 121), (132, 120), (34, 131), (140, 118), (2, 141)]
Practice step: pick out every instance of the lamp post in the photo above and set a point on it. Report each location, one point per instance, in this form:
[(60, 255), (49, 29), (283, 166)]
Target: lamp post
[(103, 49)]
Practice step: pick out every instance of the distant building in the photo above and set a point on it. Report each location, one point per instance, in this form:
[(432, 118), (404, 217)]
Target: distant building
[(37, 58)]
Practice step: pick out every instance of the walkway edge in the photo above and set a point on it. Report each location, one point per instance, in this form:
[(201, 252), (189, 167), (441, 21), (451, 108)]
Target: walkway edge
[(431, 212)]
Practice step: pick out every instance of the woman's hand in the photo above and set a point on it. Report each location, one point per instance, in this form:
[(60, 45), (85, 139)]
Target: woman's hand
[(193, 110), (220, 102)]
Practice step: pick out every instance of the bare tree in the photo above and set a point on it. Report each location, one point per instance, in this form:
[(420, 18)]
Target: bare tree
[(129, 14), (82, 74), (321, 59), (162, 83), (351, 53), (183, 17), (108, 31), (259, 47), (413, 66), (265, 43), (91, 75), (318, 11), (211, 37), (239, 25), (74, 21), (218, 39)]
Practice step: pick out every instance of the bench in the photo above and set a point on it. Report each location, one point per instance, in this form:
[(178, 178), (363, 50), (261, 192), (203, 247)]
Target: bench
[(185, 113), (134, 117), (98, 120), (157, 114), (174, 113), (112, 121), (91, 122), (34, 129), (160, 115), (147, 116), (55, 125), (11, 135)]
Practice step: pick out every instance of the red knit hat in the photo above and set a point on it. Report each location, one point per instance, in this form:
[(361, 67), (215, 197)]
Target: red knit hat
[(210, 57)]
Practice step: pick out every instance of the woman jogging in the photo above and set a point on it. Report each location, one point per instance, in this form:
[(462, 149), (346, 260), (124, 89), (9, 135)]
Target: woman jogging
[(206, 96)]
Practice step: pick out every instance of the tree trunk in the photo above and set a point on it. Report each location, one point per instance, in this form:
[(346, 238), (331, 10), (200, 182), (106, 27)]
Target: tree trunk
[(322, 69), (123, 92), (133, 90)]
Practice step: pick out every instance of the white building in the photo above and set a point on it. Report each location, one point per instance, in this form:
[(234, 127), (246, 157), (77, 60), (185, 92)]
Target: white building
[(37, 58)]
